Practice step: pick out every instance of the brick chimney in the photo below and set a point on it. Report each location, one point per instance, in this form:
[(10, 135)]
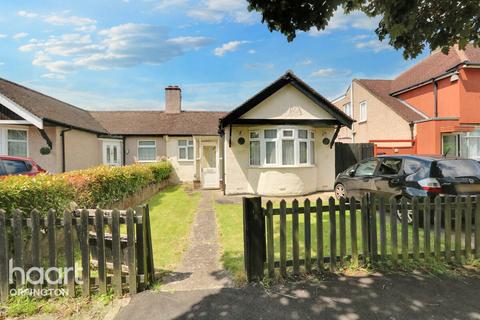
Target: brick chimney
[(173, 99)]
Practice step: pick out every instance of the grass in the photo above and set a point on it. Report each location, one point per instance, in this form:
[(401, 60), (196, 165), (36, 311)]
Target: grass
[(230, 220), (171, 216), (57, 307)]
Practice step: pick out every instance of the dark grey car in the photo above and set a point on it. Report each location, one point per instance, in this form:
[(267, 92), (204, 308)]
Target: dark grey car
[(409, 175)]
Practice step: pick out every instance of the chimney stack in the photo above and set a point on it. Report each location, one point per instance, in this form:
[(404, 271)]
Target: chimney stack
[(173, 99)]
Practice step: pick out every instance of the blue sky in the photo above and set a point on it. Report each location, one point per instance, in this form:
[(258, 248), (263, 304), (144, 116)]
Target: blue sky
[(120, 54)]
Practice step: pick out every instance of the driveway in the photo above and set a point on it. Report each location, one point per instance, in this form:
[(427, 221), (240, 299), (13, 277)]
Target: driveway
[(391, 296)]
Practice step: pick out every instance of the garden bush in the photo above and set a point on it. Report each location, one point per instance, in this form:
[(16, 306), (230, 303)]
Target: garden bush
[(99, 186)]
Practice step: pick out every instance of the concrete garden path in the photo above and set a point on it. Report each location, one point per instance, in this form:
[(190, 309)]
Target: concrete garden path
[(200, 267)]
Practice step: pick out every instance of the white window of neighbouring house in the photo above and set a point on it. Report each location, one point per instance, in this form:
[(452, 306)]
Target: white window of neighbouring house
[(470, 145), (348, 109), (147, 150), (282, 147), (363, 111), (254, 148), (185, 150), (17, 143)]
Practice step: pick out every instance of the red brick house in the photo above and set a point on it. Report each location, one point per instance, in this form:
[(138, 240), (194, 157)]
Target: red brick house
[(431, 108)]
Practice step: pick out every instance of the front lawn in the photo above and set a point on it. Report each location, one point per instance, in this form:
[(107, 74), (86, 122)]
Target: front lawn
[(230, 221), (171, 216)]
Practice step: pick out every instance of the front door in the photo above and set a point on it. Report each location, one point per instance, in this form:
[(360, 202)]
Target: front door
[(111, 153), (209, 165)]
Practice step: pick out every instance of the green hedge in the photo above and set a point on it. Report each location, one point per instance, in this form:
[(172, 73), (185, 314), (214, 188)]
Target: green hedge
[(88, 188)]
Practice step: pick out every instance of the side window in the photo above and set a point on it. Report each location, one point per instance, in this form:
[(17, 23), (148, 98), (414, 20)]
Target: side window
[(366, 168), (411, 166), (390, 166), (14, 166)]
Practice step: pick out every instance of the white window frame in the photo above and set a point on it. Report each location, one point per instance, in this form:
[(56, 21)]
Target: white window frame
[(4, 139), (189, 144), (310, 140), (146, 147), (347, 107), (363, 109), (257, 139)]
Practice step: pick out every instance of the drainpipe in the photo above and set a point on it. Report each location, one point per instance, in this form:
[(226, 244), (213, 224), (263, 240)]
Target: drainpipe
[(124, 151), (352, 111), (435, 98), (62, 135)]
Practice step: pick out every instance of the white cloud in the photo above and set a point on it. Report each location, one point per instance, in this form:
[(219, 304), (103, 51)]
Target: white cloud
[(374, 45), (121, 46), (228, 47), (64, 18), (305, 62), (329, 72), (167, 4), (342, 21), (27, 14), (252, 51), (2, 63), (20, 35), (219, 10), (53, 76), (2, 36)]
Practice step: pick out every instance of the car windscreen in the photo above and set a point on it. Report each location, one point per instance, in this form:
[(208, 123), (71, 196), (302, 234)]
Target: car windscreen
[(458, 168)]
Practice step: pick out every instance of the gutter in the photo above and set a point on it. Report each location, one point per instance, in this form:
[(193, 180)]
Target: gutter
[(62, 135), (435, 98), (421, 84)]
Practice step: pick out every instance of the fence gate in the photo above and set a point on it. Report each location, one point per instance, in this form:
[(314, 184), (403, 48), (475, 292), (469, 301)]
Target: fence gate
[(347, 154), (91, 250), (313, 236)]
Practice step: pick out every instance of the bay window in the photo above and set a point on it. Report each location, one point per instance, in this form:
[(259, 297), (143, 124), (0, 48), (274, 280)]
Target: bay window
[(254, 148), (282, 147)]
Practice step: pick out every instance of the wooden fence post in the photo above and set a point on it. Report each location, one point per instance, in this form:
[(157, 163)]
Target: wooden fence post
[(254, 238), (3, 258)]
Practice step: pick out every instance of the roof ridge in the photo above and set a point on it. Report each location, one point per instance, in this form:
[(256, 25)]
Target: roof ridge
[(43, 94), (55, 99)]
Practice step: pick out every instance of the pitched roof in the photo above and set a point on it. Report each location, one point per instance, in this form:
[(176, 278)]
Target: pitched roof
[(288, 78), (159, 122), (381, 90), (48, 108), (435, 65)]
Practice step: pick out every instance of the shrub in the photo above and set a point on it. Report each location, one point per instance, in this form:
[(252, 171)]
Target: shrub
[(88, 188)]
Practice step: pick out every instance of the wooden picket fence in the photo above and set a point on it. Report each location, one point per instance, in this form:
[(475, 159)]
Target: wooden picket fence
[(377, 231), (91, 239)]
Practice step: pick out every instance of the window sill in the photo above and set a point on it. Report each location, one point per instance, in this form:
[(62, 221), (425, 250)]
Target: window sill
[(185, 160), (363, 121), (300, 166), (146, 161)]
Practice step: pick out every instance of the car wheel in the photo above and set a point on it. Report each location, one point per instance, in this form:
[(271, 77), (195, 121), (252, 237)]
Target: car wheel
[(340, 191)]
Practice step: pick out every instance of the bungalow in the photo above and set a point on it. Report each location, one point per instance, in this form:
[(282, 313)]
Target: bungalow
[(279, 142), (61, 137)]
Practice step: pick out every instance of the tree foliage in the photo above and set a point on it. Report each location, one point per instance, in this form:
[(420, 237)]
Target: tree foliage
[(406, 24)]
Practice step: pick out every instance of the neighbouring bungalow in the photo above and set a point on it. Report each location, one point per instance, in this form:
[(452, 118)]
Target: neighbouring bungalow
[(281, 141), (61, 137)]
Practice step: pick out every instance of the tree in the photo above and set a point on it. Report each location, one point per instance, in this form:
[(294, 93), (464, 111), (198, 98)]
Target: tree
[(406, 24)]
